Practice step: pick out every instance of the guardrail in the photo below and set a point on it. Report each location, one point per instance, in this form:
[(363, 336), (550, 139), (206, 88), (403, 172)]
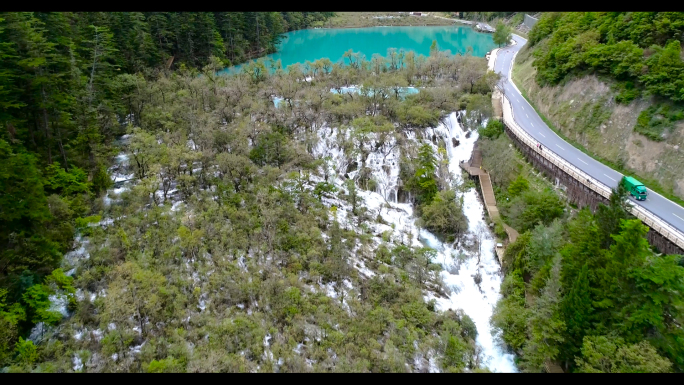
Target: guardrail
[(648, 218)]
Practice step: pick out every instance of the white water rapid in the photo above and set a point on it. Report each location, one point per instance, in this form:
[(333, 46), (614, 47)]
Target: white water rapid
[(477, 302), (459, 272)]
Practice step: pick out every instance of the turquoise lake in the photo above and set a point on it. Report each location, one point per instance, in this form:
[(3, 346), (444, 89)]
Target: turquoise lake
[(314, 44)]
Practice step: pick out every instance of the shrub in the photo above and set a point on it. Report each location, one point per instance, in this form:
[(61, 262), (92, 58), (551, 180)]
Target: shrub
[(493, 129), (444, 215), (533, 207)]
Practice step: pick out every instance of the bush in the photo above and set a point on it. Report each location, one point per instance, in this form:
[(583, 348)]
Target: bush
[(500, 230), (493, 129), (656, 122), (626, 92), (444, 216), (533, 207), (518, 186), (417, 116)]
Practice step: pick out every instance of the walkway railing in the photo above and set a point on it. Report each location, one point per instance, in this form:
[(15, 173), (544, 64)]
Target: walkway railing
[(648, 218)]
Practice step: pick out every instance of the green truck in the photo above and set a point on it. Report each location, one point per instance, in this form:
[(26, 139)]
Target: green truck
[(635, 188)]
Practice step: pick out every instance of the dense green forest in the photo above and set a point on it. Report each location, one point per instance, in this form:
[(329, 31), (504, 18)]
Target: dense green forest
[(641, 51), (224, 249), (581, 289), (64, 85)]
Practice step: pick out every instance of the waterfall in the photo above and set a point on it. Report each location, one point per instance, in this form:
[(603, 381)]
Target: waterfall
[(477, 301)]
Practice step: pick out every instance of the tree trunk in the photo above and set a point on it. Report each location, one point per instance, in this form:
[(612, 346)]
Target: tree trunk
[(48, 135), (92, 70), (61, 147)]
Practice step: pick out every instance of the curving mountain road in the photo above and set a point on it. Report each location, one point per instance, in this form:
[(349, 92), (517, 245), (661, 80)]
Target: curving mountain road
[(529, 120)]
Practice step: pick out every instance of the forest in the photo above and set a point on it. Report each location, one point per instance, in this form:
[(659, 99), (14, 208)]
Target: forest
[(640, 51), (158, 217), (582, 289), (63, 77), (217, 238)]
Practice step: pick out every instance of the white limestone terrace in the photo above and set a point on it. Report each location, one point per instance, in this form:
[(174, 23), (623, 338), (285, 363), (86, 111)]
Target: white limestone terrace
[(477, 301), (461, 264)]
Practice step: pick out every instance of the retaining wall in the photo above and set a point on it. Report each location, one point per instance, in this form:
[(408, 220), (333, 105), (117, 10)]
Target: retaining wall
[(530, 21), (584, 190)]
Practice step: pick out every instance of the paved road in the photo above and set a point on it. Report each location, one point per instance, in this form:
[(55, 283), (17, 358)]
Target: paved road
[(527, 118)]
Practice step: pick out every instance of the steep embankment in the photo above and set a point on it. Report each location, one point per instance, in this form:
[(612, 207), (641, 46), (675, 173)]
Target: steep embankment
[(585, 111)]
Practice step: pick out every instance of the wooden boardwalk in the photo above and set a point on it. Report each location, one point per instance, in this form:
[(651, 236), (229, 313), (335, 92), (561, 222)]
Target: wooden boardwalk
[(474, 168), (552, 367)]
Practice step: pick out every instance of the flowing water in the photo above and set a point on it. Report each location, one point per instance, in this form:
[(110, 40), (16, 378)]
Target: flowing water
[(313, 44), (462, 262), (476, 299)]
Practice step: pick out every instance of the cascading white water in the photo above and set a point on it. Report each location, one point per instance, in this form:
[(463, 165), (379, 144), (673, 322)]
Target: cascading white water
[(477, 301)]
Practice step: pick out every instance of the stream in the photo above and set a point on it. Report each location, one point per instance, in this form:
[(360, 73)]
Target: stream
[(477, 301)]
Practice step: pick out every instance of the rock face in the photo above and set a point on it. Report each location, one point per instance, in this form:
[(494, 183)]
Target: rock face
[(455, 142), (496, 105), (402, 195)]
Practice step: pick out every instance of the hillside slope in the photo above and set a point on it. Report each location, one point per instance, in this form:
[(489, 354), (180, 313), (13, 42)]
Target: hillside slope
[(584, 110)]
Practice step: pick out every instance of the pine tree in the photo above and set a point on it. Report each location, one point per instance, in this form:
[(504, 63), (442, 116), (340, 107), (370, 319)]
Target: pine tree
[(609, 216), (424, 180), (546, 324), (576, 309)]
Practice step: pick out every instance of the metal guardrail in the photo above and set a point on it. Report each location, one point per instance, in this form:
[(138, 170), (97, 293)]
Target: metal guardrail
[(648, 218)]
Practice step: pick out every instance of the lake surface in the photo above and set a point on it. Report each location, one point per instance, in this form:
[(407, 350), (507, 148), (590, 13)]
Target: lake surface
[(313, 44)]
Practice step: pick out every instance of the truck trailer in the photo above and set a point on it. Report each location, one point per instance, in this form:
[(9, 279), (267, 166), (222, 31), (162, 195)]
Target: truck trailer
[(635, 188)]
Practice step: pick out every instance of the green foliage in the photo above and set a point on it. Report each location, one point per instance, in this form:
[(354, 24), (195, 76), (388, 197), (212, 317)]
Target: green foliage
[(253, 251), (602, 354), (270, 149), (10, 316), (627, 92), (493, 129), (455, 355), (61, 182), (424, 181), (434, 47), (518, 186), (444, 215), (657, 122), (167, 365), (611, 215), (84, 225), (26, 351), (502, 162), (546, 324), (638, 49), (37, 304), (24, 215), (577, 309), (510, 314), (584, 277), (502, 34), (417, 116), (534, 207), (324, 189)]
